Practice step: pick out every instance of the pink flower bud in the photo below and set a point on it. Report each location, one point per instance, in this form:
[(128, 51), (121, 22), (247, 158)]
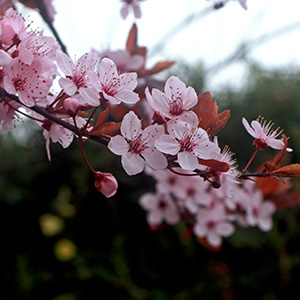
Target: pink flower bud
[(71, 106), (106, 183)]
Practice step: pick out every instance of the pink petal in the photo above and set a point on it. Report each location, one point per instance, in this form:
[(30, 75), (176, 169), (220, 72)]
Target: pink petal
[(214, 239), (189, 98), (174, 86), (187, 160), (151, 133), (258, 129), (65, 63), (127, 96), (87, 61), (90, 96), (149, 201), (118, 145), (172, 217), (155, 159), (131, 126), (265, 224), (248, 128), (128, 81), (158, 101), (68, 86), (5, 58), (166, 144), (132, 163), (275, 144), (225, 229), (155, 217)]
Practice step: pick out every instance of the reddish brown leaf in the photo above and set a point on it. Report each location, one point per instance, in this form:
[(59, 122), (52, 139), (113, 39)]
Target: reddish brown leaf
[(160, 66), (207, 111), (271, 186), (131, 43), (272, 165), (215, 164), (109, 128), (101, 119), (292, 171), (286, 200)]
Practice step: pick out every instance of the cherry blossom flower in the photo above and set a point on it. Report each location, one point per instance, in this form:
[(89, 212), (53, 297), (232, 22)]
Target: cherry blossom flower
[(35, 47), (57, 133), (176, 99), (264, 135), (8, 114), (13, 28), (160, 207), (131, 4), (259, 212), (192, 193), (26, 81), (213, 224), (78, 76), (188, 142), (106, 183), (114, 87), (228, 180), (136, 146)]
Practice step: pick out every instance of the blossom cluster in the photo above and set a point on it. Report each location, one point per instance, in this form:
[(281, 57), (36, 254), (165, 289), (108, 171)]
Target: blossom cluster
[(170, 134)]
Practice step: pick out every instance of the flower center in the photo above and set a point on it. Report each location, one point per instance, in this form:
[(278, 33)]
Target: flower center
[(110, 87), (79, 79), (137, 145), (176, 107), (19, 83), (187, 144), (260, 144)]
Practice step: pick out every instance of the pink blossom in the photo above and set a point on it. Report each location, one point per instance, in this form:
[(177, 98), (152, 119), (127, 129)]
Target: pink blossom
[(259, 212), (8, 113), (106, 183), (26, 81), (114, 87), (264, 135), (213, 225), (176, 99), (78, 76), (131, 4), (160, 208), (13, 27), (228, 180), (136, 146), (35, 46), (188, 142), (192, 192), (57, 133)]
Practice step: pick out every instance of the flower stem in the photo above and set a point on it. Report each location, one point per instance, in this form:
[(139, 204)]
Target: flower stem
[(81, 147), (250, 161)]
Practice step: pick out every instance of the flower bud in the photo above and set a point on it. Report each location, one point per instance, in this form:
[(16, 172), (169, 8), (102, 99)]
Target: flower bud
[(106, 183), (71, 106)]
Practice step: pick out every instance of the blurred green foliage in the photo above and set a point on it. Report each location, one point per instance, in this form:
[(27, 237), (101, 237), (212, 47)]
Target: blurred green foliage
[(63, 240)]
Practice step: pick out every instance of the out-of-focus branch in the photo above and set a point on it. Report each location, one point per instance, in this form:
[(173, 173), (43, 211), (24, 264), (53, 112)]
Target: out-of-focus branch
[(244, 48)]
